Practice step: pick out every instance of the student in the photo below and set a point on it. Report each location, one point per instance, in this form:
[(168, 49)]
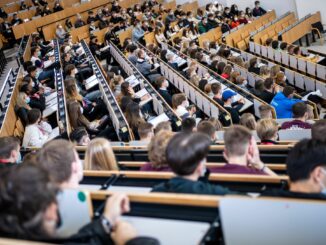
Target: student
[(134, 118), (80, 136), (188, 125), (300, 116), (267, 131), (217, 93), (145, 132), (233, 109), (60, 33), (283, 102), (227, 72), (269, 91), (189, 166), (306, 168), (9, 151), (163, 126), (181, 106), (318, 131), (241, 153), (138, 33), (157, 152), (258, 11), (79, 22), (162, 85), (253, 66), (248, 121), (146, 67), (37, 132), (99, 156), (159, 36), (207, 128), (204, 26), (265, 111), (29, 211)]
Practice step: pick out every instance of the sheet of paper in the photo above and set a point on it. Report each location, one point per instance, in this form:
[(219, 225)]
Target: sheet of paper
[(161, 118)]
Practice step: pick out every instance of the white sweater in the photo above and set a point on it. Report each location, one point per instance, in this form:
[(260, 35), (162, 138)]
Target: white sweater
[(34, 137)]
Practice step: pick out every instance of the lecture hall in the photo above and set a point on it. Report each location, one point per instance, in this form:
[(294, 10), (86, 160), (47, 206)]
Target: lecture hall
[(163, 122)]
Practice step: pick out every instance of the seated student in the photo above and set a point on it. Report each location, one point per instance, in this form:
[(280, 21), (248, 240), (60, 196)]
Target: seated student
[(159, 36), (306, 168), (227, 72), (157, 152), (132, 53), (189, 166), (171, 62), (60, 33), (204, 26), (241, 153), (258, 11), (146, 67), (265, 111), (283, 102), (79, 22), (9, 151), (134, 118), (300, 115), (80, 136), (188, 125), (181, 106), (37, 132), (318, 131), (163, 126), (207, 128), (269, 90), (138, 33), (16, 20), (217, 93), (145, 133), (99, 156), (162, 85), (267, 131), (29, 207), (253, 66), (227, 98), (248, 120)]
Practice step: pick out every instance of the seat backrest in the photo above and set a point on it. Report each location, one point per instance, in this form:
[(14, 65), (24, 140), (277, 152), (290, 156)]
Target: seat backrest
[(294, 134)]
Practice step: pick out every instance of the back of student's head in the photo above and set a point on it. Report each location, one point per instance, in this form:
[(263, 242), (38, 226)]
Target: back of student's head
[(248, 120), (26, 193), (33, 116), (267, 129), (304, 158), (157, 148), (216, 88), (207, 128), (265, 111), (268, 83), (57, 156), (163, 126), (299, 110), (99, 155), (275, 44), (178, 99), (9, 146), (237, 139), (188, 125), (186, 151), (318, 130), (288, 90), (145, 130)]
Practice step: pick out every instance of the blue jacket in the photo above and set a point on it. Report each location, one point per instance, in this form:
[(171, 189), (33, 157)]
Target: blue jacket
[(283, 105)]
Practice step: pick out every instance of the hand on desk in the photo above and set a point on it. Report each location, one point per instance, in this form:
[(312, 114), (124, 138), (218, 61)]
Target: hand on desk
[(115, 206), (241, 101)]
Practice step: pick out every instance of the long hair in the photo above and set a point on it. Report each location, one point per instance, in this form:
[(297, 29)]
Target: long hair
[(71, 90), (100, 156), (74, 113), (133, 115)]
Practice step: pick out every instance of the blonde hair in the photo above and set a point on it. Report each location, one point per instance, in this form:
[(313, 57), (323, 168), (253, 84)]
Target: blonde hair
[(266, 128), (248, 120), (157, 148), (99, 156)]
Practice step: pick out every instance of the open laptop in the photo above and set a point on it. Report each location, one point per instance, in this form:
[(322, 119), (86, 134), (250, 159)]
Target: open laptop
[(273, 221)]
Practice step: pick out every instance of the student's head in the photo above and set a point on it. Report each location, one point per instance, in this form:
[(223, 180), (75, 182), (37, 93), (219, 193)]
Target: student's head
[(268, 41), (179, 100), (32, 70), (70, 70), (145, 131), (28, 202), (257, 4), (220, 67), (99, 156), (133, 115), (264, 71), (267, 129), (265, 111), (80, 136), (162, 83), (237, 140), (163, 126), (275, 44), (194, 148), (248, 120), (300, 111), (33, 116), (253, 62), (216, 88), (288, 91), (318, 130), (228, 95), (268, 83), (283, 46), (306, 166), (274, 70), (9, 150), (207, 128), (60, 158), (188, 125), (157, 148)]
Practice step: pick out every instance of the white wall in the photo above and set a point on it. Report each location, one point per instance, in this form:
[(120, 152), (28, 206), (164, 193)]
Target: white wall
[(305, 7)]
